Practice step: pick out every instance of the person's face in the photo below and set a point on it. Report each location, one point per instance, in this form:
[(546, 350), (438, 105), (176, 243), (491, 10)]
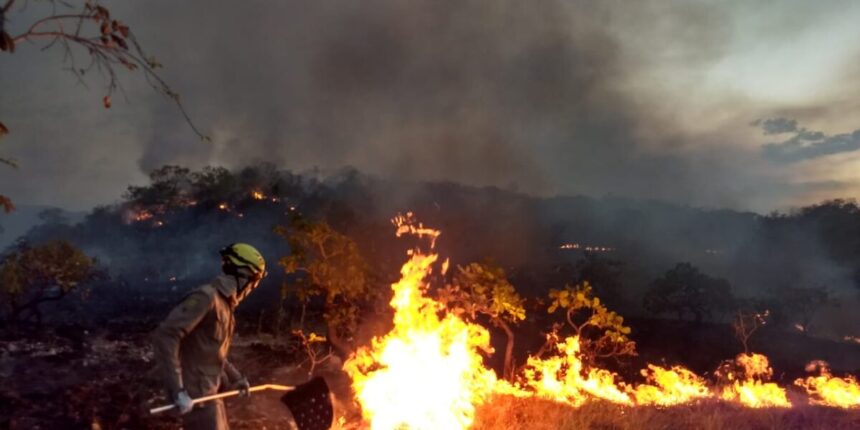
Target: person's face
[(252, 285)]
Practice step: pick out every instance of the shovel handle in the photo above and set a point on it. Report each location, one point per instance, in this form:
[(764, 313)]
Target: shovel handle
[(225, 394)]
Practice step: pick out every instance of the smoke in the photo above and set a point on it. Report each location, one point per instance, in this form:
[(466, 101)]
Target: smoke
[(530, 97), (554, 97)]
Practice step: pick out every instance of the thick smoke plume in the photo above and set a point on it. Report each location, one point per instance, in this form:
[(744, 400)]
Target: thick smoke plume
[(545, 98)]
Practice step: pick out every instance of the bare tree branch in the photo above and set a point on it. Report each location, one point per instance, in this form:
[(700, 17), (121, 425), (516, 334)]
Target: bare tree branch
[(108, 42), (8, 5)]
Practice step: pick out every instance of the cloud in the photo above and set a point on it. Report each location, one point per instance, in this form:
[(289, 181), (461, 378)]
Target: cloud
[(805, 144), (776, 125)]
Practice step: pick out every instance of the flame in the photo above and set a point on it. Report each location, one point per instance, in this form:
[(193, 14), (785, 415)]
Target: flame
[(142, 215), (256, 195), (753, 391), (223, 206), (853, 339), (563, 378), (587, 248), (427, 372), (667, 387), (407, 224), (828, 390)]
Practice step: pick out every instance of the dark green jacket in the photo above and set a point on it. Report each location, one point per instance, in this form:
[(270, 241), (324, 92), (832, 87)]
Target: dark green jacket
[(192, 343)]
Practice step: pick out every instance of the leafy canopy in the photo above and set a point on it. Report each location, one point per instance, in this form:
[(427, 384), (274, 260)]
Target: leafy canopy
[(328, 264), (32, 275), (483, 288), (602, 332)]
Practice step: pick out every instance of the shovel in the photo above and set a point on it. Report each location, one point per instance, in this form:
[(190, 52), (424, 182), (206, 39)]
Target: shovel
[(309, 403)]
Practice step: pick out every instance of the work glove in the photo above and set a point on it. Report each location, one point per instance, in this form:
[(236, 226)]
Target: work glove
[(243, 386), (183, 402)]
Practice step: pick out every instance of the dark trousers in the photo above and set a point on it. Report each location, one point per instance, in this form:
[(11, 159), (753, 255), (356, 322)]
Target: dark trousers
[(207, 416)]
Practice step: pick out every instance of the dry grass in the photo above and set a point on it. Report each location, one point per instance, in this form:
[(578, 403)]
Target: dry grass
[(506, 412)]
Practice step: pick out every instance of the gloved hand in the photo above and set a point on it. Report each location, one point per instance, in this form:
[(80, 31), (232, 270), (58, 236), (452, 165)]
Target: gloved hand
[(243, 386), (183, 402)]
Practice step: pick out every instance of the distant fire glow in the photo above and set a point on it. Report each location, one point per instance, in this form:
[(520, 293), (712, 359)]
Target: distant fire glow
[(587, 248)]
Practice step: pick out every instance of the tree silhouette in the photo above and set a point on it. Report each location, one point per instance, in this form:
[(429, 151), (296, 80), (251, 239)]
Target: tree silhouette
[(33, 276), (603, 274), (685, 290), (803, 303)]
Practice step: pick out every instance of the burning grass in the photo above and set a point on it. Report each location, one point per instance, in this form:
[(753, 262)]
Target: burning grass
[(508, 412), (428, 373)]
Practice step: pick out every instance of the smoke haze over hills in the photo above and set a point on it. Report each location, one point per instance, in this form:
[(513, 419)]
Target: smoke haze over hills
[(559, 97)]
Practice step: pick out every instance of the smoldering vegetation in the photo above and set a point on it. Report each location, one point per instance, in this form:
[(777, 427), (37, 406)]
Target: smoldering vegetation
[(166, 234)]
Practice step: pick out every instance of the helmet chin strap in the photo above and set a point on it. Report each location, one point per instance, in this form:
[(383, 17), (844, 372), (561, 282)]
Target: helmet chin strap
[(243, 287)]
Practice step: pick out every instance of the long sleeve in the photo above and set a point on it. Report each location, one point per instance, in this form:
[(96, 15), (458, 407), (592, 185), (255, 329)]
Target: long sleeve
[(233, 374), (167, 338)]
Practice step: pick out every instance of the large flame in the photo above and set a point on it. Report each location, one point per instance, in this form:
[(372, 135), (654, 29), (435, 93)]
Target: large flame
[(427, 372), (828, 390), (667, 387), (563, 378), (751, 387)]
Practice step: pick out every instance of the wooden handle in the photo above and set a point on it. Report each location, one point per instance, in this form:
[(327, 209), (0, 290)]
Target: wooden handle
[(225, 394)]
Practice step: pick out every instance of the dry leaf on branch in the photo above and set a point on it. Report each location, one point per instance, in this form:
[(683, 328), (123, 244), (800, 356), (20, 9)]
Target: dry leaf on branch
[(6, 204)]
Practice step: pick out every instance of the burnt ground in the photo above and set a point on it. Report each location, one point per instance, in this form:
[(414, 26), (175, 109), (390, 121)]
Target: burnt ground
[(104, 379)]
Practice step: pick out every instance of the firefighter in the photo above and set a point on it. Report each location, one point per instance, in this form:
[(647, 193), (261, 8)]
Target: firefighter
[(192, 343)]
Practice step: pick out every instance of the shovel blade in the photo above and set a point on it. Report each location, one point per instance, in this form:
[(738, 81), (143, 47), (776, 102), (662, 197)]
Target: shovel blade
[(311, 405)]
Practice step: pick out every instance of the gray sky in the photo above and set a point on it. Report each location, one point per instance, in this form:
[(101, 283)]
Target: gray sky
[(750, 105)]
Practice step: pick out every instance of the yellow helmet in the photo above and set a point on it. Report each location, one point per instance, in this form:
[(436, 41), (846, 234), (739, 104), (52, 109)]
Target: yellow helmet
[(244, 255)]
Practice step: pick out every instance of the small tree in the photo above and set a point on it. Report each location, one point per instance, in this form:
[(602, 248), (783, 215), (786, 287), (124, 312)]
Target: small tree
[(746, 323), (685, 290), (325, 263), (32, 276), (602, 333), (483, 289), (803, 303), (169, 187), (315, 348), (603, 274)]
